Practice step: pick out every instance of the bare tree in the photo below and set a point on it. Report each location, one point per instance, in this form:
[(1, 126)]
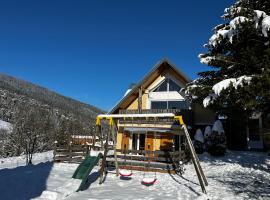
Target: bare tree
[(32, 131)]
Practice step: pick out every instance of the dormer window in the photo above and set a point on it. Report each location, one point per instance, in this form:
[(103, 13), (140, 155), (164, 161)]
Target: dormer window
[(168, 85)]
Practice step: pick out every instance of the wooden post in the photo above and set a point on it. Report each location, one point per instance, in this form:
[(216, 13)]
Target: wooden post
[(98, 130), (54, 149), (195, 160), (70, 151), (114, 136), (140, 100), (180, 148), (103, 165)]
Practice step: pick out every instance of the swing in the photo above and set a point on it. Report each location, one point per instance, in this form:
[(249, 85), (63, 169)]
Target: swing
[(125, 172), (149, 180)]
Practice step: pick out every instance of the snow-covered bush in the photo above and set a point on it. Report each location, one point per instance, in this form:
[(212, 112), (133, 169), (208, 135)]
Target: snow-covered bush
[(207, 132), (216, 143), (199, 141)]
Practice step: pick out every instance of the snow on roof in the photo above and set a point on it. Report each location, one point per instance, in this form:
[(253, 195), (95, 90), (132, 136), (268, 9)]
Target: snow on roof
[(5, 125), (128, 91)]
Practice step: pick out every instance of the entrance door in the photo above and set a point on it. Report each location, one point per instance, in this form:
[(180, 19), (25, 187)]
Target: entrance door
[(125, 141), (149, 144)]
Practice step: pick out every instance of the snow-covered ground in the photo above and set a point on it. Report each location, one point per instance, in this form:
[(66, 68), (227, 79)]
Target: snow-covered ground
[(238, 175), (13, 162)]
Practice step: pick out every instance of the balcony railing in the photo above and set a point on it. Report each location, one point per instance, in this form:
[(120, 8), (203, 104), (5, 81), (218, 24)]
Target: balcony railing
[(187, 114), (150, 111)]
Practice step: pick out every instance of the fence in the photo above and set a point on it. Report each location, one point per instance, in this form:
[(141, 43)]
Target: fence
[(70, 153)]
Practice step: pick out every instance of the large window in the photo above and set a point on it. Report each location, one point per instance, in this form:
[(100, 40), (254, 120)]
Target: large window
[(159, 105), (169, 105), (168, 85)]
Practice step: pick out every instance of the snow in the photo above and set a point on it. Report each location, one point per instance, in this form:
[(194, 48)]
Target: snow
[(5, 125), (13, 162), (237, 20), (235, 82), (128, 91), (222, 85), (266, 26), (209, 100), (214, 40), (218, 127), (238, 175), (206, 60), (199, 136), (258, 15), (207, 132)]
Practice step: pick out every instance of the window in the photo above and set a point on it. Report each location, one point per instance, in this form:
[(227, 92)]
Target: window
[(159, 104), (163, 87), (177, 105), (173, 86), (168, 85), (169, 105)]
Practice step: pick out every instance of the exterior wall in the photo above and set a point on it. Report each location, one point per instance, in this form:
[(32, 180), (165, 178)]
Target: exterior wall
[(133, 105)]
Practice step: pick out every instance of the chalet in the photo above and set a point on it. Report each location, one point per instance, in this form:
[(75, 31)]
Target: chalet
[(158, 92)]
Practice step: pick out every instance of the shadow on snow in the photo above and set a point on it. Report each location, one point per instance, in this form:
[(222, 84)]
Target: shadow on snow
[(23, 183)]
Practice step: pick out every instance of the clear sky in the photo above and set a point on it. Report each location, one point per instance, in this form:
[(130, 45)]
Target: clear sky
[(91, 50)]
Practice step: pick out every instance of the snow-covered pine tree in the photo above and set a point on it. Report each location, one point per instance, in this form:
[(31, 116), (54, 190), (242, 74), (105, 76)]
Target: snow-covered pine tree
[(239, 56)]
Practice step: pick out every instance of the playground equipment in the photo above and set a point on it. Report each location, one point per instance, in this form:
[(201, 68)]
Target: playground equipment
[(85, 168), (140, 119)]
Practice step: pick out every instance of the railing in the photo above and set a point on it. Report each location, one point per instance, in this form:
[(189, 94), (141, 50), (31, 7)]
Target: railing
[(187, 114), (150, 111)]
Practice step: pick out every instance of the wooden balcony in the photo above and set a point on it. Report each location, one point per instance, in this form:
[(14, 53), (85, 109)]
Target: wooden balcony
[(187, 115)]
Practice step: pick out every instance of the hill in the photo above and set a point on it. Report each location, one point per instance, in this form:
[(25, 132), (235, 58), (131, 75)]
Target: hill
[(14, 91)]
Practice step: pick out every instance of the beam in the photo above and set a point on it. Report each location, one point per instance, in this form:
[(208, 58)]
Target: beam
[(119, 116)]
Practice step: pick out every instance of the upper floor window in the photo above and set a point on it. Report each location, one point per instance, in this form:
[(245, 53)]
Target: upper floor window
[(169, 105), (168, 85)]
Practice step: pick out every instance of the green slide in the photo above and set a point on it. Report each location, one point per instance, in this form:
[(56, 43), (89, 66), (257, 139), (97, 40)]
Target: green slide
[(84, 169)]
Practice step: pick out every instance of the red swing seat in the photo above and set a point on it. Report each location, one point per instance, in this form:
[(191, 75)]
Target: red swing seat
[(149, 181), (125, 173)]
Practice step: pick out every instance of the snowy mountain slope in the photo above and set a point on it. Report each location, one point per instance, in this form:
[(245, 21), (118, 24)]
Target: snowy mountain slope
[(14, 91)]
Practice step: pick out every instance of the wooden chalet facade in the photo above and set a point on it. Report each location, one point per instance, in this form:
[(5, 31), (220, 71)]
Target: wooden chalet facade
[(158, 92)]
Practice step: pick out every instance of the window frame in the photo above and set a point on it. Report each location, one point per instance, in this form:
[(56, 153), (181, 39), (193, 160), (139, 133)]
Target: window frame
[(167, 80)]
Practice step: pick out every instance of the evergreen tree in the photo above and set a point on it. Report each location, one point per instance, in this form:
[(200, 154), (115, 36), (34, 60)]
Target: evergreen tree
[(239, 56)]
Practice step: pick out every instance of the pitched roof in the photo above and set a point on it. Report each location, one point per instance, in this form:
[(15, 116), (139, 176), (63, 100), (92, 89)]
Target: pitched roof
[(147, 80)]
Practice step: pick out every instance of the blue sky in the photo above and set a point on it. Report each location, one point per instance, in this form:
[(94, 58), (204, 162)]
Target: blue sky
[(91, 50)]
